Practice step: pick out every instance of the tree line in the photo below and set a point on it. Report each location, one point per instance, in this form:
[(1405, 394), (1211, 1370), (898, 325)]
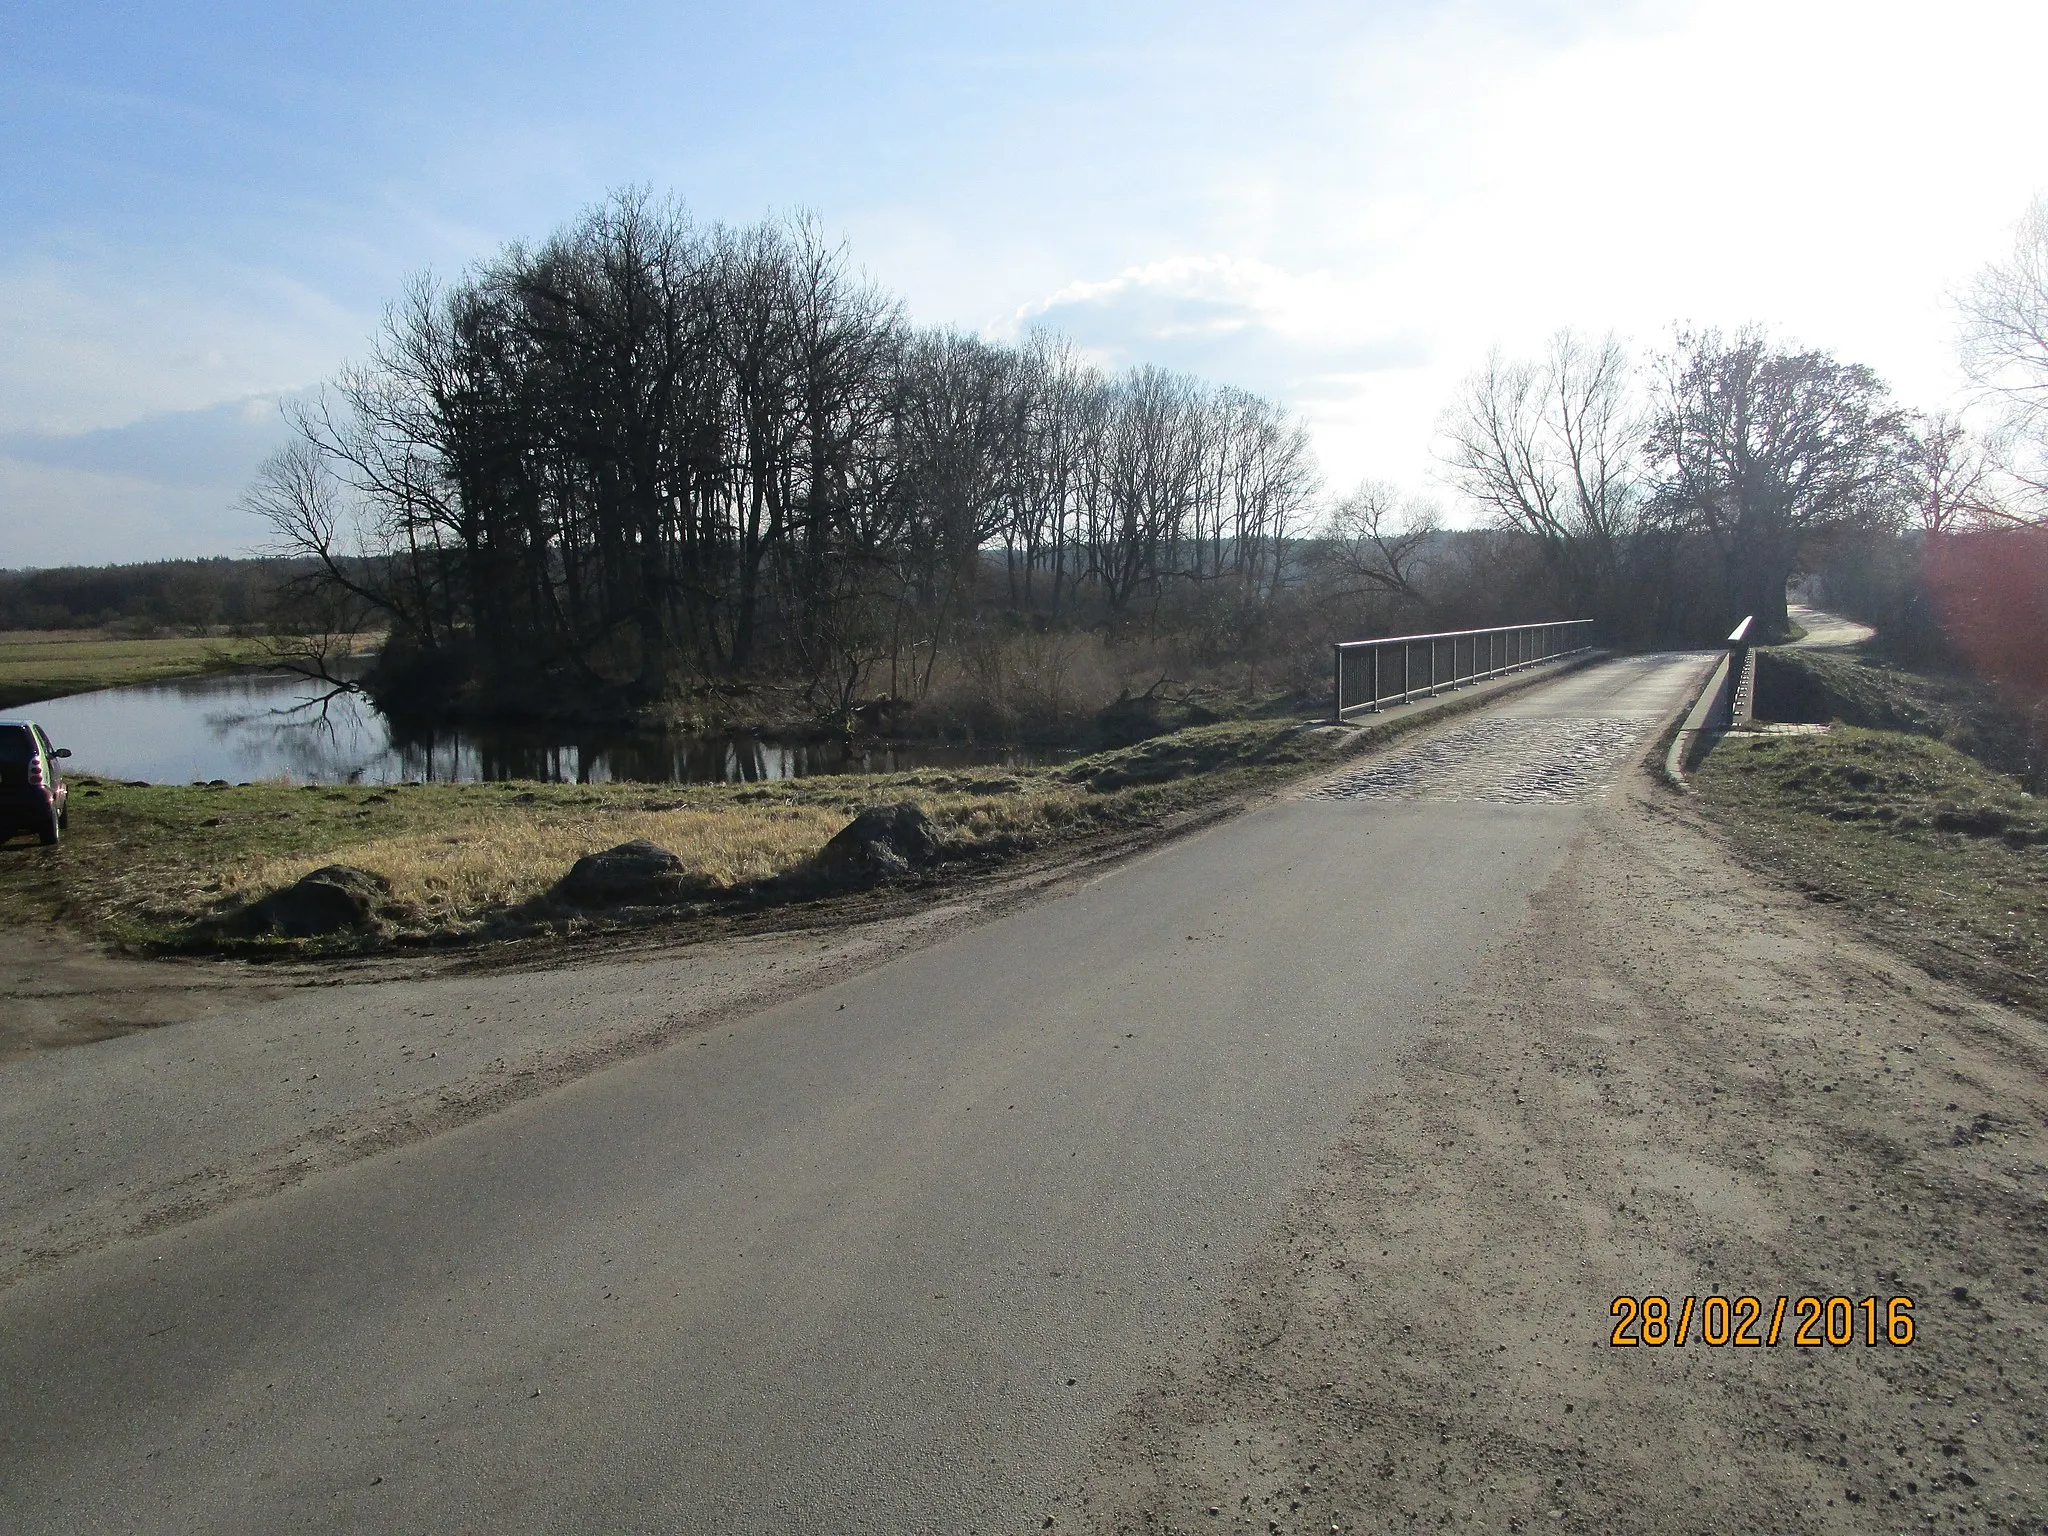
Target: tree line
[(645, 452), (647, 455), (1770, 460), (241, 596)]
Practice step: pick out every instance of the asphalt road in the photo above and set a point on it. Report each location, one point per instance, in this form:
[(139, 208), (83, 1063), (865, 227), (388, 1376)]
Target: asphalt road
[(888, 1257), (1827, 631)]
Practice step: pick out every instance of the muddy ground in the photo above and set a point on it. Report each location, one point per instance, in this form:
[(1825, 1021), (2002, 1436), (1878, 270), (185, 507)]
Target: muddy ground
[(1678, 1079)]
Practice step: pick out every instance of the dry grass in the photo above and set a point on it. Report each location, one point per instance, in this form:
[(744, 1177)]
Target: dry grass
[(1086, 690), (152, 865), (455, 878)]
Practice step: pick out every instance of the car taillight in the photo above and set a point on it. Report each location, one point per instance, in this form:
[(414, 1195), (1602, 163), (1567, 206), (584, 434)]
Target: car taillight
[(35, 771)]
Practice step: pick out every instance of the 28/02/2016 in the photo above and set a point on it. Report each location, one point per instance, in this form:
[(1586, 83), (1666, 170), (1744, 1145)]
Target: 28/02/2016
[(1818, 1321)]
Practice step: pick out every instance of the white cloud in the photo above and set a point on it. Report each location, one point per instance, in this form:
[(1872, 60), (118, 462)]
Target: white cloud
[(161, 487), (1322, 346), (214, 447), (95, 342), (59, 515), (1831, 170), (1238, 319)]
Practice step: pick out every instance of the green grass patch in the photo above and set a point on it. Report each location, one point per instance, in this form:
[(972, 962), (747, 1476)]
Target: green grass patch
[(1947, 859), (1823, 686), (47, 664), (1202, 750)]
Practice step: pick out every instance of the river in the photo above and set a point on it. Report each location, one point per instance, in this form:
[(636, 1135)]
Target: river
[(250, 726)]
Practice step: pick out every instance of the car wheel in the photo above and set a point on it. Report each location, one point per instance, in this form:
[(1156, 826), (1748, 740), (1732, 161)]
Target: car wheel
[(64, 819), (51, 829)]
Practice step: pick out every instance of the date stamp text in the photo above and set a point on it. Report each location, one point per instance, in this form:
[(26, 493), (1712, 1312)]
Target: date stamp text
[(1761, 1322)]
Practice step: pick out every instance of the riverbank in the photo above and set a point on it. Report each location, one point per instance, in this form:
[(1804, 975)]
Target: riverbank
[(264, 722), (169, 869), (48, 664), (164, 867)]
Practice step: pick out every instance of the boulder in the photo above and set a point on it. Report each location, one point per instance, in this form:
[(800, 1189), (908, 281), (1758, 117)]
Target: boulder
[(333, 899), (882, 841), (635, 874)]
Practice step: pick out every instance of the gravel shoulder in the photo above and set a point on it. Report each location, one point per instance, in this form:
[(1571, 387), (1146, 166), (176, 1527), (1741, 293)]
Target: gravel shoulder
[(1678, 1078)]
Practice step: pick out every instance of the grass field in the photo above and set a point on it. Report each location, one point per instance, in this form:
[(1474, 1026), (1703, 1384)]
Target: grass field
[(1859, 689), (1945, 858), (46, 664), (153, 865)]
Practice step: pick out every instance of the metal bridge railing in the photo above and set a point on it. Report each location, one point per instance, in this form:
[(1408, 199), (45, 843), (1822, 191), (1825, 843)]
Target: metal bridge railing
[(1371, 674)]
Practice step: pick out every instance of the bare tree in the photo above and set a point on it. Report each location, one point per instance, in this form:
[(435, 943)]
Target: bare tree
[(1379, 540), (1951, 474), (1552, 449), (2005, 349), (335, 600), (598, 473)]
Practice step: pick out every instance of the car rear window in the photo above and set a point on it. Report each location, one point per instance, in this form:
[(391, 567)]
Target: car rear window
[(17, 746)]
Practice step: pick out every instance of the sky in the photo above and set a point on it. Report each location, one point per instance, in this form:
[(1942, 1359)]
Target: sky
[(205, 208)]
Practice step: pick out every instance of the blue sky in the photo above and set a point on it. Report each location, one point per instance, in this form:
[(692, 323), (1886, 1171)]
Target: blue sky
[(204, 208)]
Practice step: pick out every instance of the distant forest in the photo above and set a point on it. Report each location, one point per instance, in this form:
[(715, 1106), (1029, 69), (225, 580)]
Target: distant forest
[(236, 596)]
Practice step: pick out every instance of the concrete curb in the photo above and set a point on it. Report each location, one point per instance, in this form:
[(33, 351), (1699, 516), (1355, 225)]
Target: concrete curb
[(1712, 704)]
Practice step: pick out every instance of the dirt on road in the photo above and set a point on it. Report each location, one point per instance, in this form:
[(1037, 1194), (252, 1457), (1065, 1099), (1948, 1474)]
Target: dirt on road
[(1678, 1079), (57, 989)]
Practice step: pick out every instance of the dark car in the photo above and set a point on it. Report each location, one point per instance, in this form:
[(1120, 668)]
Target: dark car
[(32, 792)]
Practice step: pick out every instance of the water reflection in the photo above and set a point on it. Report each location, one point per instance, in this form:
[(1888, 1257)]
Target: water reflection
[(268, 725)]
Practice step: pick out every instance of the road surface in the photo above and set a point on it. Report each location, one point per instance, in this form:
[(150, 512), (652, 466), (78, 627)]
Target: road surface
[(886, 1257), (1827, 631)]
